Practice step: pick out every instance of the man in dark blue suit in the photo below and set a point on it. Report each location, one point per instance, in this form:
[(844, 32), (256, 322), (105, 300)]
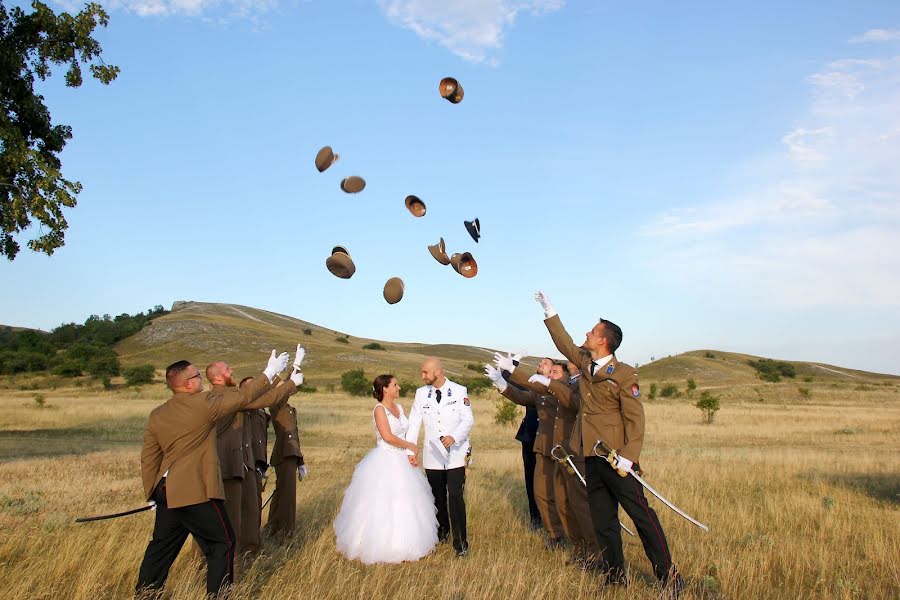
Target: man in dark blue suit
[(526, 434)]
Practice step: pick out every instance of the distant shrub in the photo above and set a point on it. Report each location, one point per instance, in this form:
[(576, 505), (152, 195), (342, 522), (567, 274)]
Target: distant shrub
[(708, 405), (107, 384), (139, 375), (653, 389), (475, 385), (691, 386), (307, 389), (772, 370), (407, 388), (805, 392), (343, 339), (808, 379), (477, 367), (355, 383), (39, 400), (506, 412), (862, 388), (709, 355), (374, 346), (669, 390), (307, 331), (68, 368)]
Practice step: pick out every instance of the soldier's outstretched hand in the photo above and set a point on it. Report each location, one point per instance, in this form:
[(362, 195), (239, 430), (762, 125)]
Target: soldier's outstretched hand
[(544, 301)]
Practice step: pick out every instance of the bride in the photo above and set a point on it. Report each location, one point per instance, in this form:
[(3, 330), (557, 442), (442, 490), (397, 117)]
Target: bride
[(388, 513)]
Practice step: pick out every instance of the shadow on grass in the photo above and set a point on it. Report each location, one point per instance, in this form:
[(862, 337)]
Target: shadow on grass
[(884, 487)]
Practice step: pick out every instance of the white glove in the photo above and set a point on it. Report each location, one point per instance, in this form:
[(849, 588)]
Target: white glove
[(276, 365), (298, 358), (297, 377), (541, 379), (620, 464), (506, 363), (495, 376), (301, 472), (549, 311)]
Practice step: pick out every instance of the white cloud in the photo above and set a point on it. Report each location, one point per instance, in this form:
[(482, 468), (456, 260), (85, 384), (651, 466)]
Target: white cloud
[(820, 225), (471, 29), (877, 35)]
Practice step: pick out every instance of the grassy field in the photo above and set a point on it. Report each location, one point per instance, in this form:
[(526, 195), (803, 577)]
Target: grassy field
[(801, 493)]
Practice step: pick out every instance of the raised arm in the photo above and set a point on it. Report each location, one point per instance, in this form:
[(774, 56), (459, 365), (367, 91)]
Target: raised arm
[(517, 396)]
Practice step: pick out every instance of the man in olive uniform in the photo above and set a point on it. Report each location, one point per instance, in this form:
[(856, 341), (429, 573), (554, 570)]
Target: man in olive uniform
[(287, 459), (567, 395), (612, 412), (549, 493), (181, 475), (256, 425)]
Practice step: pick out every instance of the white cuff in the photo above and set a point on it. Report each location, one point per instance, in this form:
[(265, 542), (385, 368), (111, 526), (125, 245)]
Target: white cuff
[(549, 312), (501, 385)]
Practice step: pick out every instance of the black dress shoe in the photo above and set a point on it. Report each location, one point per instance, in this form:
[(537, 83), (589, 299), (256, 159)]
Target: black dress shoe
[(464, 552)]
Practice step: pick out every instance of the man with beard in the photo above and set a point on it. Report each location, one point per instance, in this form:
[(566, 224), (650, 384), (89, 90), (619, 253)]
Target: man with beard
[(445, 409)]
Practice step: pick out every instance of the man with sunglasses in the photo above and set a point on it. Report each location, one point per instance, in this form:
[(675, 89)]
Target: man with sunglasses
[(611, 412), (181, 473)]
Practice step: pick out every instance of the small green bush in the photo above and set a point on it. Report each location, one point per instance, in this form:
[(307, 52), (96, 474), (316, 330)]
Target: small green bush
[(805, 392), (307, 389), (407, 388), (477, 367), (506, 412), (139, 375), (39, 400), (709, 405), (709, 355), (355, 383), (653, 390), (691, 386), (374, 346), (307, 331), (773, 370), (669, 390), (343, 339)]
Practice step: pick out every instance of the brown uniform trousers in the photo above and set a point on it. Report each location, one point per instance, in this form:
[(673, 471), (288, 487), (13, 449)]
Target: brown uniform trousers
[(586, 546), (286, 458), (255, 431), (549, 487)]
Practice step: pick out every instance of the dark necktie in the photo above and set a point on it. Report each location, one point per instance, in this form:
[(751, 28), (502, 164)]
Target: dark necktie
[(437, 395), (593, 367)]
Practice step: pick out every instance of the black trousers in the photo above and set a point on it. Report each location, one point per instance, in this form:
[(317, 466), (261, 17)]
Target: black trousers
[(208, 523), (528, 461), (606, 491), (448, 486)]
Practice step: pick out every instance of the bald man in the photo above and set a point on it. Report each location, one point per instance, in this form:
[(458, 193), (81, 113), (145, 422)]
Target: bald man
[(445, 409)]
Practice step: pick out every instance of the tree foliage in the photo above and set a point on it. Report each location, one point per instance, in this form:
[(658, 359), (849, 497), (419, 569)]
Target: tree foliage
[(355, 383), (772, 370), (32, 187), (708, 405)]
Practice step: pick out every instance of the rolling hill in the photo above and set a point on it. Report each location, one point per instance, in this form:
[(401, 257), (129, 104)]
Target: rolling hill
[(243, 336)]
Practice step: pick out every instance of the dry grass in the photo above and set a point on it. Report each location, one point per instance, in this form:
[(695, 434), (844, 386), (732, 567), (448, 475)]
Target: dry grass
[(801, 498)]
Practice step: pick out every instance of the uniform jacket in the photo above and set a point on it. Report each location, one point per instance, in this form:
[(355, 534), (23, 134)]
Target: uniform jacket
[(180, 439), (546, 412), (257, 428), (564, 415), (528, 427), (230, 442), (611, 405), (451, 416), (287, 434)]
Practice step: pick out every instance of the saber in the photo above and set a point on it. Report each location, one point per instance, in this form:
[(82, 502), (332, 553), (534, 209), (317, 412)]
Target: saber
[(267, 500), (646, 485), (116, 515), (572, 466)]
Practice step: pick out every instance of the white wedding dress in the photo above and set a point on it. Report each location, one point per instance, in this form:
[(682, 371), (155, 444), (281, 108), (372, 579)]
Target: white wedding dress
[(388, 513)]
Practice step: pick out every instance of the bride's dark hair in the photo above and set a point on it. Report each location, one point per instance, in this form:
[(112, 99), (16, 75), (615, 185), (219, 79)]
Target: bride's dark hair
[(381, 382)]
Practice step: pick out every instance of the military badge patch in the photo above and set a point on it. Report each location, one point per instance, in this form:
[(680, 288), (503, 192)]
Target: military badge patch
[(609, 369), (635, 390), (466, 402)]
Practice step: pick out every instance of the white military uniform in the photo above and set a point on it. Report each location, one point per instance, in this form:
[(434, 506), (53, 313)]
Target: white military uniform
[(451, 416)]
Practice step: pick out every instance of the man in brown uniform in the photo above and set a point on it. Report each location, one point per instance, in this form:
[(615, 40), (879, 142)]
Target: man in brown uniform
[(586, 549), (612, 412), (549, 489), (287, 459), (256, 425), (181, 475)]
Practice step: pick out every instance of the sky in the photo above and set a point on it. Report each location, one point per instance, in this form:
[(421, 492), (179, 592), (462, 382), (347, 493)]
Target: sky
[(706, 175)]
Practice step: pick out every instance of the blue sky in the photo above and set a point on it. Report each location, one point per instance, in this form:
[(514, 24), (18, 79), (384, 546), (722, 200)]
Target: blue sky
[(707, 176)]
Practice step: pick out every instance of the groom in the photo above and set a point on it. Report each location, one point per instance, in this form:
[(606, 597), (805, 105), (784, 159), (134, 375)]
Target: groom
[(445, 409)]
